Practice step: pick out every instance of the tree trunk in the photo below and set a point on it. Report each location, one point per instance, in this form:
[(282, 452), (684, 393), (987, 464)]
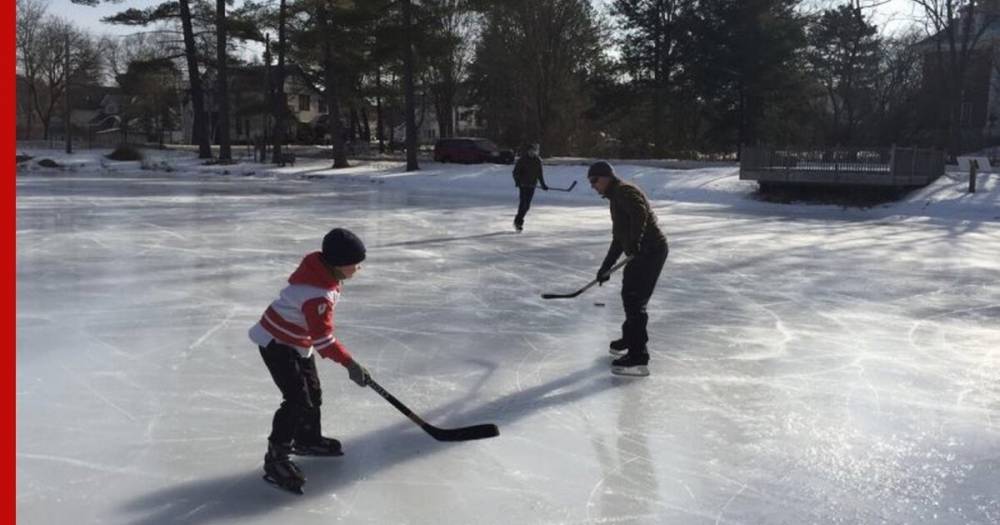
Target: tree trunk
[(68, 131), (355, 124), (741, 137), (225, 153), (659, 84), (379, 125), (280, 102), (31, 119), (45, 119), (366, 129), (444, 107), (408, 90), (199, 130), (332, 102), (272, 97)]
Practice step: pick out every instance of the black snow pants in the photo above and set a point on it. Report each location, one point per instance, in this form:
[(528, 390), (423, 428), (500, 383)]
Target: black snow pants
[(526, 194), (638, 282), (298, 416)]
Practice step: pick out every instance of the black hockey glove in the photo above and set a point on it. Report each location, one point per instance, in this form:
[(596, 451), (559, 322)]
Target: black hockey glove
[(602, 276), (358, 373)]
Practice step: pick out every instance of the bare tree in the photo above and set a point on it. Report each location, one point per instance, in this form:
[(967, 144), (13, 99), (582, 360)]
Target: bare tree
[(530, 70), (55, 72), (174, 11), (452, 45), (122, 53), (29, 17), (896, 86)]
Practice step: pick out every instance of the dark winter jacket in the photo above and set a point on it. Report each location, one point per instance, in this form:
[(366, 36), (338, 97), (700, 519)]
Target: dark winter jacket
[(633, 223), (528, 171)]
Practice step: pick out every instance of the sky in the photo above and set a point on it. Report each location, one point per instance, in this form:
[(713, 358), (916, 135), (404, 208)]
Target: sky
[(810, 363), (892, 14), (90, 17)]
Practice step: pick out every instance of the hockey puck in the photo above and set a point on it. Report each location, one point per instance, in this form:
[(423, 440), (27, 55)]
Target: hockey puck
[(598, 304)]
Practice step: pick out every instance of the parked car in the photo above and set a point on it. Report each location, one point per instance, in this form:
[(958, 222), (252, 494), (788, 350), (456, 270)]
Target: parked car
[(471, 150)]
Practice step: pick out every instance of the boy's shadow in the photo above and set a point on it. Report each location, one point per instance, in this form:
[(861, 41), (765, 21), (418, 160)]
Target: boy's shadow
[(244, 494)]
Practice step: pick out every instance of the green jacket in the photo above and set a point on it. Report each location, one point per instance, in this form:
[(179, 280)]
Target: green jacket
[(528, 172), (633, 223)]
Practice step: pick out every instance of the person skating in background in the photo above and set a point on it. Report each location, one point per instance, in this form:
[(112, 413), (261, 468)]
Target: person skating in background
[(296, 326), (527, 175), (635, 233)]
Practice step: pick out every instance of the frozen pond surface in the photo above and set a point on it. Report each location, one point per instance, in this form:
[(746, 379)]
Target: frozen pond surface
[(809, 364)]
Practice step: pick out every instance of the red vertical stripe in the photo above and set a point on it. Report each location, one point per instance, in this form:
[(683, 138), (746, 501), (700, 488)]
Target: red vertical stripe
[(9, 119)]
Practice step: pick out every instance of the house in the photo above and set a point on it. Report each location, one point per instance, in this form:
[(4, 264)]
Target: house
[(466, 120), (979, 113), (250, 116), (93, 108)]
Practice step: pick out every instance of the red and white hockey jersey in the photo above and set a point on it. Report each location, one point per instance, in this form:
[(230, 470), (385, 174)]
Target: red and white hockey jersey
[(302, 315)]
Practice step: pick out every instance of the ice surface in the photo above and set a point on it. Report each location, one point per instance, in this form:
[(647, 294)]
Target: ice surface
[(810, 364)]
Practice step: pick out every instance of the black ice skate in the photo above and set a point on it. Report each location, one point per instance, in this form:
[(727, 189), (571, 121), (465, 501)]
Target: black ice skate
[(518, 227), (323, 447), (281, 471), (632, 364), (618, 347)]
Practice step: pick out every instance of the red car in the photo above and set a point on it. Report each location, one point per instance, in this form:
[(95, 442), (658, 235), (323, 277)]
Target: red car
[(470, 150)]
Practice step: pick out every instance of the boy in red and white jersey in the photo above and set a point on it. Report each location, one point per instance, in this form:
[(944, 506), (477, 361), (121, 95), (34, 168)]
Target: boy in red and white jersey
[(296, 326)]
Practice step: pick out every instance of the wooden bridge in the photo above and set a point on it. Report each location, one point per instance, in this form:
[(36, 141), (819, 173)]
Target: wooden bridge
[(892, 167)]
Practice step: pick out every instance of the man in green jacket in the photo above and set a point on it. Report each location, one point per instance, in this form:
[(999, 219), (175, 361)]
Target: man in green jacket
[(527, 174), (635, 233)]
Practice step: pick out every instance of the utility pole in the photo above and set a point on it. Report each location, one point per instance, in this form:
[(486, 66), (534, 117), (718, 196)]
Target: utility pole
[(66, 125)]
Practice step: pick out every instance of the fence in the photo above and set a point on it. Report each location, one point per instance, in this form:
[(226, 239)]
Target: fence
[(894, 166), (85, 139)]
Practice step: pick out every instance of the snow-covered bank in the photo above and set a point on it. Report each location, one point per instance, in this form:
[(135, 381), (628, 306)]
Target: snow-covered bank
[(710, 185)]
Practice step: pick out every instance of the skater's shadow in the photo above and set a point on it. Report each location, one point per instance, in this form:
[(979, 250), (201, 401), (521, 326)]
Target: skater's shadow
[(442, 239), (243, 495)]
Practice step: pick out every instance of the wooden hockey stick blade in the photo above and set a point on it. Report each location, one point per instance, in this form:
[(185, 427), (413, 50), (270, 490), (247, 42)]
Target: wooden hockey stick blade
[(440, 434), (565, 295), (570, 188), (464, 433), (591, 283)]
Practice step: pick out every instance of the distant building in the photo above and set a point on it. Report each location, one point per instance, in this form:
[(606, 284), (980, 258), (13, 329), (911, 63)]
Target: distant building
[(979, 114), (251, 116), (466, 120), (93, 108)]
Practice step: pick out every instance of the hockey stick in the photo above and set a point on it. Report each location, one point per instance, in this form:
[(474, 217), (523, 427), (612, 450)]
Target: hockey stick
[(570, 188), (440, 434), (591, 283)]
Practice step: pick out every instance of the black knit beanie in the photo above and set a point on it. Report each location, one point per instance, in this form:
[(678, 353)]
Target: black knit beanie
[(342, 248), (601, 169)]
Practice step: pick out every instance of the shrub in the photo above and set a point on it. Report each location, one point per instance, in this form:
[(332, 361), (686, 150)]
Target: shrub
[(126, 152)]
